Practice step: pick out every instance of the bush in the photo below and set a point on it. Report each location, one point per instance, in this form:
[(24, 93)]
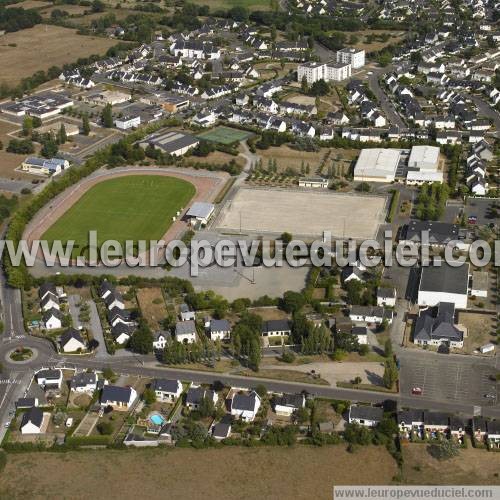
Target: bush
[(105, 428)]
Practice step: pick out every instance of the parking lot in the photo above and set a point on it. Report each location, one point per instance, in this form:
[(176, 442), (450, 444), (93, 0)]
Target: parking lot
[(448, 378)]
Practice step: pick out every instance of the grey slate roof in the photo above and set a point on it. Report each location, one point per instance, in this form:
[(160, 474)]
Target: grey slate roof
[(440, 233), (115, 393), (69, 334), (445, 279), (244, 402), (165, 385), (290, 400), (83, 379), (49, 374), (33, 415), (220, 325), (410, 416), (185, 327), (366, 413), (436, 418), (275, 325), (195, 395), (221, 430), (441, 326)]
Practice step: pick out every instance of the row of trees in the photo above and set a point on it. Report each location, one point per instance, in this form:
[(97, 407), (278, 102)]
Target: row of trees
[(431, 201)]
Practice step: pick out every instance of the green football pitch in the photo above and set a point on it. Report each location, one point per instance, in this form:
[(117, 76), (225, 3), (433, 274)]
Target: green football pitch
[(136, 207), (224, 135)]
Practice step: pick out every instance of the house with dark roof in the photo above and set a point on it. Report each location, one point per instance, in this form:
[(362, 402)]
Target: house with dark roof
[(368, 416), (245, 406), (26, 403), (195, 395), (444, 283), (410, 421), (186, 313), (119, 398), (436, 326), (71, 341), (219, 329), (222, 430), (49, 379), (276, 328), (386, 296), (121, 332), (185, 331), (429, 233), (436, 423), (52, 319), (32, 421), (166, 389), (84, 382), (287, 404)]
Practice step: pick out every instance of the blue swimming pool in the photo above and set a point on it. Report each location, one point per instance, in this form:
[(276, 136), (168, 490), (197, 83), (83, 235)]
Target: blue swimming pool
[(157, 419)]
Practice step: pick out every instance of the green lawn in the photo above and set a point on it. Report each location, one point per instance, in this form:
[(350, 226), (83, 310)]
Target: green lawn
[(136, 207), (225, 135)]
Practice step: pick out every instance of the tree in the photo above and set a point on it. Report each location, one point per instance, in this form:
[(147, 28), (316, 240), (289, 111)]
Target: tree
[(388, 348), (149, 396), (98, 6), (105, 428), (254, 354), (363, 187), (62, 137), (444, 450), (49, 147), (206, 407), (304, 85), (320, 87), (261, 390), (27, 126), (142, 340), (292, 301), (85, 124), (20, 146), (107, 116), (390, 376)]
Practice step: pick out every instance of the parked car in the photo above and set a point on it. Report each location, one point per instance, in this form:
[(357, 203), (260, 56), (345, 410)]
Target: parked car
[(416, 391)]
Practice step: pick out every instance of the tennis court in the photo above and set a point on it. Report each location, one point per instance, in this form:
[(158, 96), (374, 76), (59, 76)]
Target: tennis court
[(225, 135)]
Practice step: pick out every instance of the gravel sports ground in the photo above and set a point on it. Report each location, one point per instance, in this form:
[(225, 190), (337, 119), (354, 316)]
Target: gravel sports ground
[(305, 213)]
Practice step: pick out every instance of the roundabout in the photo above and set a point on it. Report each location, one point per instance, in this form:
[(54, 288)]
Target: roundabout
[(21, 355)]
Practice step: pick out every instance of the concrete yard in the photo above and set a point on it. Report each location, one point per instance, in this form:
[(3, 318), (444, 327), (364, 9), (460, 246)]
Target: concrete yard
[(305, 213)]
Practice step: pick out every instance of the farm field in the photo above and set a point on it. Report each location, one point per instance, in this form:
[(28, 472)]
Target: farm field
[(310, 472), (472, 466), (40, 47), (133, 207), (224, 135), (228, 4)]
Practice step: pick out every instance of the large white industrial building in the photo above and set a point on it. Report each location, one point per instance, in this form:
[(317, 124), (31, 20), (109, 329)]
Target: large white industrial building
[(417, 166), (377, 165)]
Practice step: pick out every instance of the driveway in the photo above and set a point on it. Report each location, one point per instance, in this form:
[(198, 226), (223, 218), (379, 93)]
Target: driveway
[(96, 329)]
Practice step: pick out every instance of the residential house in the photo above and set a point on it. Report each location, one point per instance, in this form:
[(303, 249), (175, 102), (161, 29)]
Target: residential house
[(119, 398), (287, 404), (361, 333), (84, 382), (167, 390), (71, 341), (195, 395), (368, 416), (410, 421), (52, 319), (160, 340), (185, 331), (245, 406), (186, 313), (436, 423), (276, 328), (122, 332), (370, 314), (219, 329), (386, 297), (48, 378), (32, 421)]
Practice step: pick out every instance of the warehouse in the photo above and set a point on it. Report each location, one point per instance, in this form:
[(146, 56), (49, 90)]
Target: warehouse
[(377, 165), (424, 158), (171, 142), (444, 284)]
